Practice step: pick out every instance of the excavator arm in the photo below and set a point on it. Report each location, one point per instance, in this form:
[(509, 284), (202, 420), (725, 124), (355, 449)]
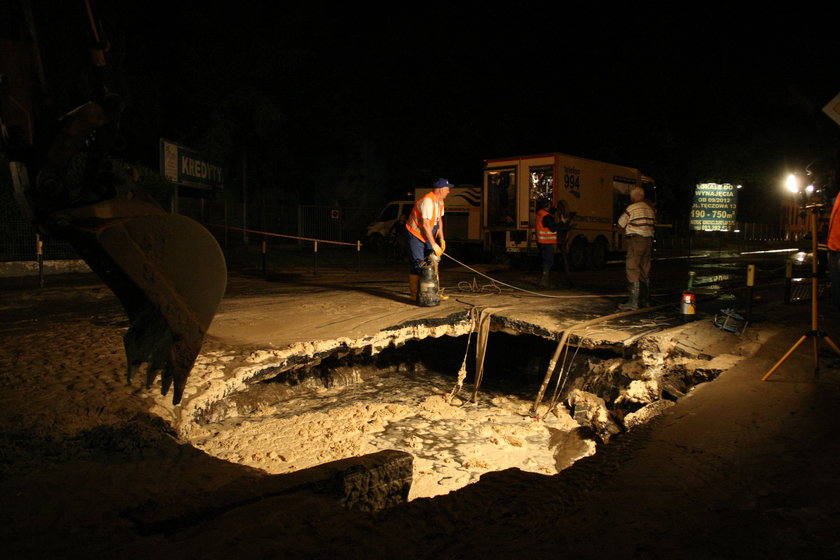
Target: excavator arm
[(167, 270)]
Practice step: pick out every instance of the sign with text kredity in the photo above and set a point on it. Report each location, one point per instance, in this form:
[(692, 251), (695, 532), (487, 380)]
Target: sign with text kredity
[(715, 206), (184, 166)]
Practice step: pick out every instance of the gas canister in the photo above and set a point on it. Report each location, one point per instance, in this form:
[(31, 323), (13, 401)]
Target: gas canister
[(428, 294), (688, 303)]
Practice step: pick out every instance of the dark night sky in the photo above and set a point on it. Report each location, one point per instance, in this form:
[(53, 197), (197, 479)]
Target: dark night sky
[(355, 102)]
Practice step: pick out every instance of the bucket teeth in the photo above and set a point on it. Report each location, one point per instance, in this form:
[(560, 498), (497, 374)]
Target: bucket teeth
[(167, 270)]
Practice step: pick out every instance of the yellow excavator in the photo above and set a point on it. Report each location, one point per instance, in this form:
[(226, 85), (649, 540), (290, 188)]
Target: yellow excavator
[(167, 270)]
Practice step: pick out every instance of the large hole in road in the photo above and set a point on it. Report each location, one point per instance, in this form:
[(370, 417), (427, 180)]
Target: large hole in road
[(409, 398)]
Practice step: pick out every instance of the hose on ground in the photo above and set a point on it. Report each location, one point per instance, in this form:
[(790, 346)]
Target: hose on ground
[(495, 283)]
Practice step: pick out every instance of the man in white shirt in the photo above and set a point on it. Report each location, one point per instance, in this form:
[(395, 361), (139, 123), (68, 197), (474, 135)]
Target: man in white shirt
[(425, 231), (638, 221)]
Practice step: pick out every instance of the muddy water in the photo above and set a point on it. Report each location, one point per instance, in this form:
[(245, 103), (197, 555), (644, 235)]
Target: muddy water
[(280, 429)]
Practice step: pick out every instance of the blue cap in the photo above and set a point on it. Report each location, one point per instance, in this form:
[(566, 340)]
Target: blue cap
[(441, 183)]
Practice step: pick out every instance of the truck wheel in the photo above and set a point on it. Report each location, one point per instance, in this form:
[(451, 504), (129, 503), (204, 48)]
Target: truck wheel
[(599, 253), (498, 255), (578, 253)]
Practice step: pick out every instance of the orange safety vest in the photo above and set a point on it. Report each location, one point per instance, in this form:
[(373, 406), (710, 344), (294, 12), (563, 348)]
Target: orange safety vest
[(834, 226), (415, 220), (545, 235)]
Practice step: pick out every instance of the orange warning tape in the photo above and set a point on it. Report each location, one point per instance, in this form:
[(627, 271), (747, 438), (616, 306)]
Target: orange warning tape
[(357, 244)]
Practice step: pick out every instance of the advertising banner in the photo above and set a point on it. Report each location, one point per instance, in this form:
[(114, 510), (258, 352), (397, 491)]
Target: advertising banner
[(714, 207)]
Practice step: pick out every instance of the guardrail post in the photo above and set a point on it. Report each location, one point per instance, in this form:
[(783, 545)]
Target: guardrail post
[(788, 279), (39, 252), (315, 254), (750, 285), (263, 255), (358, 255)]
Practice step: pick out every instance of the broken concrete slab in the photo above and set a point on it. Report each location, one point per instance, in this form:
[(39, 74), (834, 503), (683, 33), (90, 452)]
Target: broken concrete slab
[(369, 483)]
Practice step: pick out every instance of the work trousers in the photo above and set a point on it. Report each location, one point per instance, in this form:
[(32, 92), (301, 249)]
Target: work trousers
[(639, 253), (417, 251), (547, 255)]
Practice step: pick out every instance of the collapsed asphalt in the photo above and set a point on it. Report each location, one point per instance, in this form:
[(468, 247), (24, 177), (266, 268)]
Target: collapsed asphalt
[(738, 468)]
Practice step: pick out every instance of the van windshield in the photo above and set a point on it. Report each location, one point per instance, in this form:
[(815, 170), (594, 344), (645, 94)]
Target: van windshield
[(389, 213)]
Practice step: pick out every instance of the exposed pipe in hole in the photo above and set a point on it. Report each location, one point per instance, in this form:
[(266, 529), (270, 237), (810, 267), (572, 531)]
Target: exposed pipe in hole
[(398, 399), (552, 364)]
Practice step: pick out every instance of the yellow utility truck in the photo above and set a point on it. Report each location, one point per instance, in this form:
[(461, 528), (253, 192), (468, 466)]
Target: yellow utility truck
[(589, 194)]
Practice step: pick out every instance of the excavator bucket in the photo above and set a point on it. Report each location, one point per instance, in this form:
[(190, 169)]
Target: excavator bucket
[(169, 274), (167, 270)]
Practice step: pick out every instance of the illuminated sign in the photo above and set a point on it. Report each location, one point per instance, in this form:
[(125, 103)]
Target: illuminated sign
[(184, 166), (714, 207)]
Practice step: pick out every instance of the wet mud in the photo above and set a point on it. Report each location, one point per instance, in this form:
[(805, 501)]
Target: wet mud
[(421, 398)]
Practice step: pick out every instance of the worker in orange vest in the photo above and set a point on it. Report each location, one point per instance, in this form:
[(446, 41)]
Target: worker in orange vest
[(546, 231), (424, 231), (833, 243)]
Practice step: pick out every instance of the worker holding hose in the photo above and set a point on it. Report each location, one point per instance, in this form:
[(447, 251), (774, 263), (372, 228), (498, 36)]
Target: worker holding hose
[(424, 231)]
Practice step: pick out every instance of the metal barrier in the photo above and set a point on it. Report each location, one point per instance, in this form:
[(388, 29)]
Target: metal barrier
[(266, 234), (19, 242), (798, 287)]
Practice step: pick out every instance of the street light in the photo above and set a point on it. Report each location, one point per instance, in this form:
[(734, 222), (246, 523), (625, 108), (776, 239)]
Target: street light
[(807, 187), (798, 184), (810, 198)]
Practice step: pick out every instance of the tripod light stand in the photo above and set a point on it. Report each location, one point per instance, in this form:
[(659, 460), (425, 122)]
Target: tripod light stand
[(815, 333)]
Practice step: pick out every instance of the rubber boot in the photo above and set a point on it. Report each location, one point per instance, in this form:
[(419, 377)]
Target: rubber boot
[(413, 286), (633, 301), (644, 294), (441, 295), (545, 281)]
